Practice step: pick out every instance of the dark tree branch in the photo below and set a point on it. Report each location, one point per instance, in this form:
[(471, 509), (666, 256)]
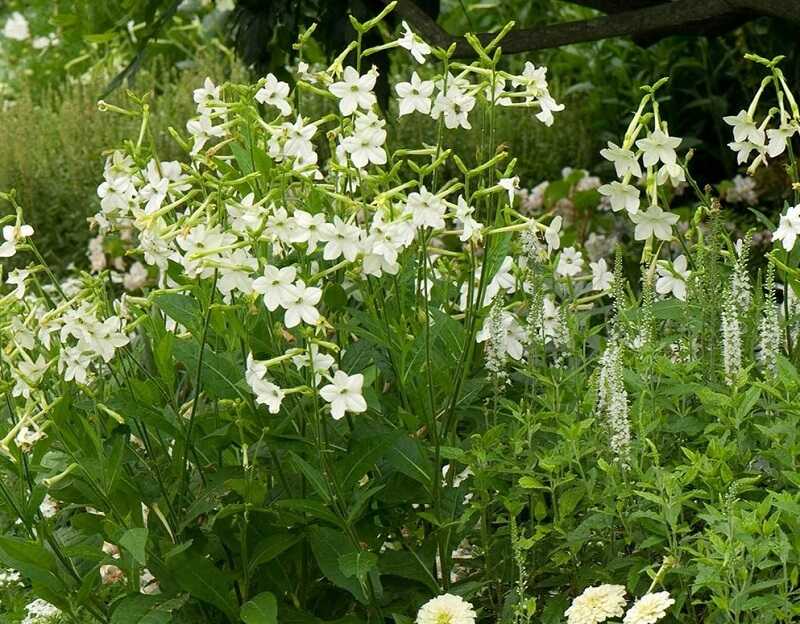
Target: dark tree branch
[(648, 22)]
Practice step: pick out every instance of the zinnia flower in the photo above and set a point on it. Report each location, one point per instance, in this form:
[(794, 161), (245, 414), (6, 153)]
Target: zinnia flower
[(597, 604), (446, 609), (649, 609)]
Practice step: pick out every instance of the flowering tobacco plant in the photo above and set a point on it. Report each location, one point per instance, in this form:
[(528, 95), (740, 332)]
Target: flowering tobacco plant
[(354, 377)]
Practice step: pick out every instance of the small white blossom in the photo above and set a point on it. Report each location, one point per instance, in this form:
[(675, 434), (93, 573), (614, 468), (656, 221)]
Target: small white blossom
[(344, 394)]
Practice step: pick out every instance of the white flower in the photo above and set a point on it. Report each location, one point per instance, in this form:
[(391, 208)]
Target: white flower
[(41, 43), (672, 279), (341, 239), (511, 185), (301, 305), (308, 228), (267, 393), (470, 228), (205, 96), (418, 48), (743, 149), (136, 277), (344, 394), (414, 95), (658, 146), (366, 146), (512, 336), (18, 278), (455, 106), (426, 209), (674, 173), (243, 215), (446, 609), (276, 286), (235, 270), (275, 93), (203, 129), (788, 228), (649, 609), (354, 91), (622, 196), (597, 604), (49, 506), (548, 106), (40, 611), (16, 27), (625, 161), (601, 276), (12, 235), (27, 437), (551, 234), (655, 222), (319, 362), (570, 262), (745, 128), (778, 137)]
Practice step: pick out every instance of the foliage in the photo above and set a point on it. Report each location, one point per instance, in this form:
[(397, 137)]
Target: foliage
[(363, 379)]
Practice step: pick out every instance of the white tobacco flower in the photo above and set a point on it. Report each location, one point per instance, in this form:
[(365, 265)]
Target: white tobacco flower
[(548, 106), (269, 394), (655, 222), (622, 196), (777, 138), (597, 604), (743, 150), (470, 228), (745, 128), (13, 235), (552, 234), (674, 173), (354, 91), (308, 228), (426, 209), (366, 146), (301, 305), (788, 228), (658, 146), (672, 277), (602, 278), (570, 262), (103, 338), (18, 278), (344, 394), (49, 506), (275, 93), (27, 437), (206, 96), (454, 106), (236, 268), (276, 286), (625, 161), (135, 278), (649, 609), (533, 78), (504, 334), (202, 130), (315, 359), (511, 185), (244, 216), (27, 375), (446, 609), (414, 95), (16, 27), (416, 46), (341, 239)]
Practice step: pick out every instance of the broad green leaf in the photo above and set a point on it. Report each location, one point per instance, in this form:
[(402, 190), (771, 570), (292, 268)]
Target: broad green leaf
[(145, 609), (199, 577), (263, 609), (358, 564), (182, 309), (33, 560), (135, 542)]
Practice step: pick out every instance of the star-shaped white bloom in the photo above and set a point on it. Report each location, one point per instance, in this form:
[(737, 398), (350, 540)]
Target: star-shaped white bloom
[(416, 46), (570, 262), (512, 336), (319, 361), (366, 147), (655, 222), (601, 276), (788, 228), (552, 234), (672, 278), (745, 128), (625, 161), (344, 394), (275, 93), (426, 209), (470, 228), (778, 138), (18, 278), (414, 95), (455, 106), (511, 185), (301, 306), (354, 91), (622, 196), (658, 146), (308, 228), (276, 286), (341, 239), (12, 235)]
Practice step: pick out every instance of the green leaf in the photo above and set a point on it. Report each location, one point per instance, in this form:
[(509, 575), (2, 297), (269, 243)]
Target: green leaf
[(200, 578), (270, 547), (263, 609), (33, 560), (328, 546), (220, 374), (358, 564), (313, 475), (145, 609), (182, 309), (135, 542)]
